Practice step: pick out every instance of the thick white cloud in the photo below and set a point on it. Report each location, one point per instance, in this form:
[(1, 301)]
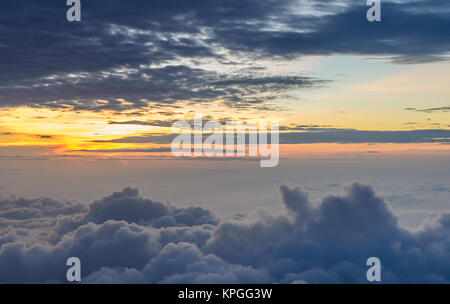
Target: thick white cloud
[(128, 206), (124, 238)]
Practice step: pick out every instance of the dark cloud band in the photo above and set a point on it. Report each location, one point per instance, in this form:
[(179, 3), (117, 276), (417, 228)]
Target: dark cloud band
[(150, 51)]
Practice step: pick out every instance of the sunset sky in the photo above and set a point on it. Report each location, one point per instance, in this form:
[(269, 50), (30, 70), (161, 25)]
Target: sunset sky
[(69, 88), (86, 108), (354, 92)]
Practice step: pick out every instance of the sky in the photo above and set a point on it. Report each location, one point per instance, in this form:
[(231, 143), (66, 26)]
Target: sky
[(87, 108)]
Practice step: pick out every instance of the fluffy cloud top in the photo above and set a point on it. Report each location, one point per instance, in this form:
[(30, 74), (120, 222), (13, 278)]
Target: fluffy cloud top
[(129, 207), (124, 238)]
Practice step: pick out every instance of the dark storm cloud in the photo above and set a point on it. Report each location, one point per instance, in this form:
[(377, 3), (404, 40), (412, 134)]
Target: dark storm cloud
[(119, 241), (361, 136), (152, 123), (317, 134), (148, 150), (430, 110), (121, 50), (410, 31), (137, 88)]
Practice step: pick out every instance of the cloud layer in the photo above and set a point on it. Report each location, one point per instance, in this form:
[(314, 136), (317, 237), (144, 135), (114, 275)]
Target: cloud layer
[(308, 135), (160, 52), (124, 238)]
